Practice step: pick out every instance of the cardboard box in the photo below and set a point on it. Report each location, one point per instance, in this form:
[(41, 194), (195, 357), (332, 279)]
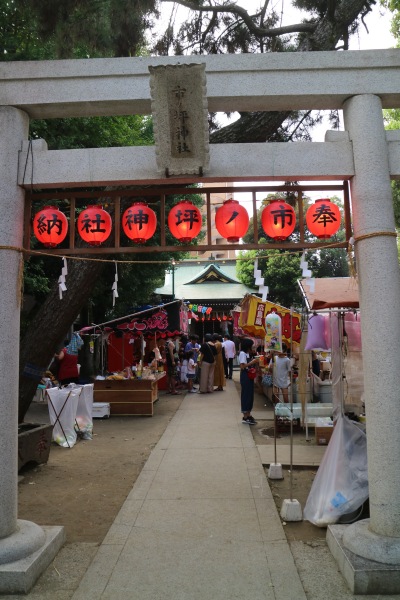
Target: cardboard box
[(323, 435), (101, 410)]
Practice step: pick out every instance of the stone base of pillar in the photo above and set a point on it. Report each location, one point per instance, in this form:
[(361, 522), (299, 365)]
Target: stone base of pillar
[(19, 577), (275, 471), (363, 576)]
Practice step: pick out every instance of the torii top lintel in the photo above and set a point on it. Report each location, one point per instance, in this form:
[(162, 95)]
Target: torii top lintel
[(239, 82)]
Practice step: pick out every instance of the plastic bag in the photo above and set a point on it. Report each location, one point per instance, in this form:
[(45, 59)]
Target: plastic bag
[(341, 484), (267, 380), (283, 410), (316, 333), (62, 412), (84, 419)]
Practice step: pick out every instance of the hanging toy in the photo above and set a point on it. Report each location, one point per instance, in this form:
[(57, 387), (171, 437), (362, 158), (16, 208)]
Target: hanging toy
[(273, 335)]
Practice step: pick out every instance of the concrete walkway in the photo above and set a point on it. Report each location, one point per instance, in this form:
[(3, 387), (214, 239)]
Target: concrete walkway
[(200, 521)]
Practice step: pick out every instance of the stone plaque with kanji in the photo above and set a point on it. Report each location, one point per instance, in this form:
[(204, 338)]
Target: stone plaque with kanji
[(180, 116)]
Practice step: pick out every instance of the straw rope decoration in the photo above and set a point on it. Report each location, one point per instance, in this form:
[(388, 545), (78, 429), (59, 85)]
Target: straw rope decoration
[(353, 240), (350, 252)]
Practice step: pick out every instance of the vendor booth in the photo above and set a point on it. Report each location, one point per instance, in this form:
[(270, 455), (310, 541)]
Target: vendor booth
[(127, 382), (340, 489), (334, 333)]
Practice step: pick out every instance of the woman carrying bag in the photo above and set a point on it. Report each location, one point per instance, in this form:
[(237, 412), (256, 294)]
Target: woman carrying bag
[(246, 381)]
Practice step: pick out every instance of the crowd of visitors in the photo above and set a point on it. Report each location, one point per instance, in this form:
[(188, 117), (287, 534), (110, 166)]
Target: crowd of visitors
[(204, 368)]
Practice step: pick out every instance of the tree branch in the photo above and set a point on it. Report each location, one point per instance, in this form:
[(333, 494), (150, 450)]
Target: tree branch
[(246, 18)]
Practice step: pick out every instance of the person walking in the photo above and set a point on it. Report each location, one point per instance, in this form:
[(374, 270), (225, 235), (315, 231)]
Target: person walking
[(230, 353), (207, 358), (246, 383), (219, 374)]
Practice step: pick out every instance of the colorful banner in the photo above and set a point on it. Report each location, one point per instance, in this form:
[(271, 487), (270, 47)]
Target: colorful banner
[(171, 320), (252, 319)]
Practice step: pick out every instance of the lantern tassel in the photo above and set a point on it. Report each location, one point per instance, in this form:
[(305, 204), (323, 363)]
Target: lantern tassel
[(115, 285), (61, 280)]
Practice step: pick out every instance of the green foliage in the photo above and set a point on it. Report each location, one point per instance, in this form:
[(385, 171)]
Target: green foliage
[(392, 121), (86, 28), (280, 270), (94, 132), (245, 268), (394, 6)]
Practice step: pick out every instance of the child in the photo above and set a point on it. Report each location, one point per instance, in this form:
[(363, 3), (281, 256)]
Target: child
[(190, 371), (184, 364)]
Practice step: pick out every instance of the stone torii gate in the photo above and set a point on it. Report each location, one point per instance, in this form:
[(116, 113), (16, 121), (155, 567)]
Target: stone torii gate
[(359, 83)]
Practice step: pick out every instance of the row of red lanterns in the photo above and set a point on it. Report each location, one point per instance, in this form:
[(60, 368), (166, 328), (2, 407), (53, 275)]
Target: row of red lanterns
[(139, 222)]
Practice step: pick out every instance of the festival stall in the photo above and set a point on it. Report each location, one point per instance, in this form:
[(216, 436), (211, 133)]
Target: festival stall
[(250, 321), (340, 487), (334, 333), (130, 385)]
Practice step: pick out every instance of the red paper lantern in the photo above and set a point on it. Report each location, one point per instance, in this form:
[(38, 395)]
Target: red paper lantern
[(184, 221), (278, 220), (94, 225), (323, 218), (139, 222), (50, 226), (232, 220)]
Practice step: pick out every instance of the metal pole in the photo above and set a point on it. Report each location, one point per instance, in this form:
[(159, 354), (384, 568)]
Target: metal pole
[(291, 406)]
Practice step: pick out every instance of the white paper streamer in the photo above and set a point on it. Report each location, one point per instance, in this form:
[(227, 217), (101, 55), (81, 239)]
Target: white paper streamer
[(61, 280), (307, 273), (262, 289), (115, 285)]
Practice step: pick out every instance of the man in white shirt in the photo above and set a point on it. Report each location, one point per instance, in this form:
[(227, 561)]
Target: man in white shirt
[(230, 353)]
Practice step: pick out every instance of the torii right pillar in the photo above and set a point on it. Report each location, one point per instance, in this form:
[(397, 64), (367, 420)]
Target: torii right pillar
[(368, 551)]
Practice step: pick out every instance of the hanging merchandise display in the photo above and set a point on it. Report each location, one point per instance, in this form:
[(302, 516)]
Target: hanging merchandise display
[(139, 222), (232, 220), (323, 218), (50, 226), (273, 332), (94, 225), (184, 221), (278, 220)]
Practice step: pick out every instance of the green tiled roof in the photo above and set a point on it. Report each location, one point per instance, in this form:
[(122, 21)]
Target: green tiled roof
[(207, 287)]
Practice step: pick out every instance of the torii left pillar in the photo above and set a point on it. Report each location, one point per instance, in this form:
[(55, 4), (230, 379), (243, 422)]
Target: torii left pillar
[(25, 548)]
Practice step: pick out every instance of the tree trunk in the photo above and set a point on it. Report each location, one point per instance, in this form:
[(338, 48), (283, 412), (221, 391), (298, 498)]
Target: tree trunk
[(50, 326)]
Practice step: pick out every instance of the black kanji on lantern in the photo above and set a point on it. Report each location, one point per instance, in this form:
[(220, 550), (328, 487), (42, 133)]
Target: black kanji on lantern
[(93, 225), (282, 216), (46, 225), (139, 218), (324, 214), (187, 216), (232, 217)]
